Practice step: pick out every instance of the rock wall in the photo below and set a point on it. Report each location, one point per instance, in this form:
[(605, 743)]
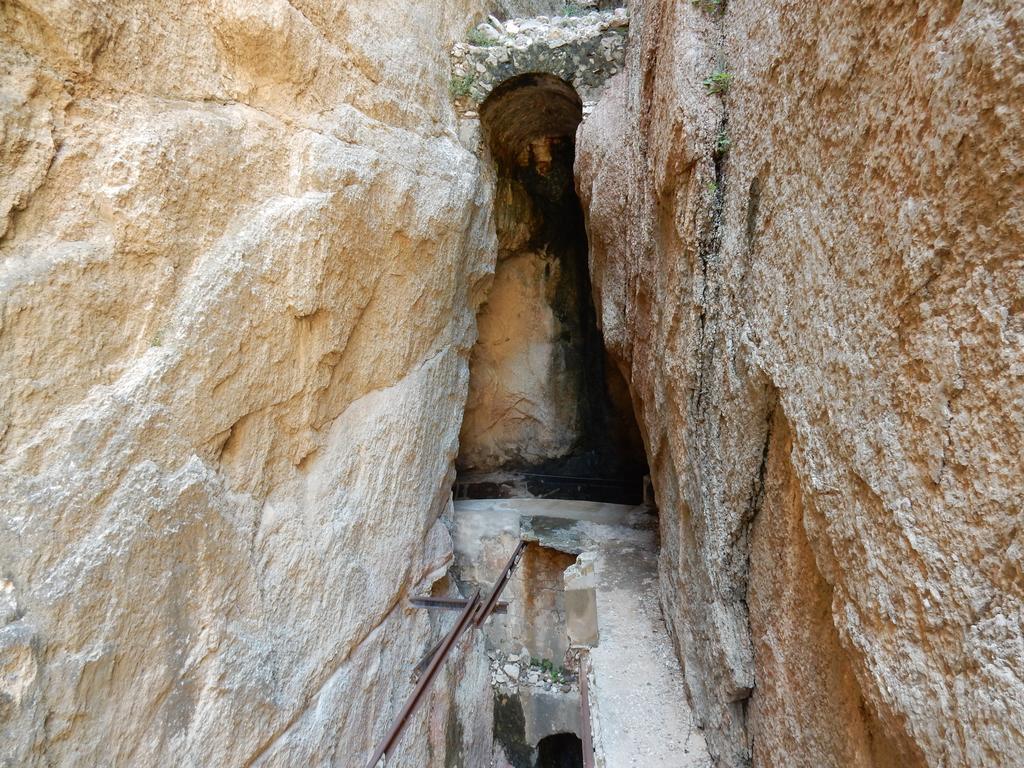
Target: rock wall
[(808, 268), (242, 251), (527, 367)]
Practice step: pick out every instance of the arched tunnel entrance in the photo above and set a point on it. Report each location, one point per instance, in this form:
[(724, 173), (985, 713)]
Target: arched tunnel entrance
[(547, 414), (563, 750)]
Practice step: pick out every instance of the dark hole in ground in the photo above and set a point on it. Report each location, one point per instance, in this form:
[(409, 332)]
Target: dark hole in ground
[(563, 750)]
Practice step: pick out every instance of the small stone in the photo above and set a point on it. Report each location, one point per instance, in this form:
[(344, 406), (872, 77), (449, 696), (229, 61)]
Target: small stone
[(512, 670)]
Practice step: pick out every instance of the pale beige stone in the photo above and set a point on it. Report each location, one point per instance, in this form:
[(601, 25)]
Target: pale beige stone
[(521, 407), (242, 251)]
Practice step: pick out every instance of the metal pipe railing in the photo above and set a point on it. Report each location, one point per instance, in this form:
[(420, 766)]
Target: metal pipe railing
[(475, 614), (465, 619), (499, 585), (587, 735)]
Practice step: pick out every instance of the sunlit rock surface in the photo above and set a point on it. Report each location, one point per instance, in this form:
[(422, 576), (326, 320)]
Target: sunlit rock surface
[(242, 254), (813, 285)]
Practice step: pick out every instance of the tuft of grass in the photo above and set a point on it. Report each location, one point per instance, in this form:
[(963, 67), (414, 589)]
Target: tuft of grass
[(479, 39), (722, 144), (718, 82), (575, 9), (710, 6), (712, 188), (460, 87)]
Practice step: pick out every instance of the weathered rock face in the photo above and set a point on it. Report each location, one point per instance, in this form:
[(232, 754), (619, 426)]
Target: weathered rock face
[(242, 253), (527, 368), (813, 286)]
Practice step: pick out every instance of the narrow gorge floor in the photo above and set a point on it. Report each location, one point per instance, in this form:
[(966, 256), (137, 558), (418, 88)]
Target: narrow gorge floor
[(638, 702), (640, 709)]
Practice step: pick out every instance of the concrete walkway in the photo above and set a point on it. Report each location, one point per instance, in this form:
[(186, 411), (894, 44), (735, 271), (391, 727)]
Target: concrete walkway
[(639, 708), (640, 712)]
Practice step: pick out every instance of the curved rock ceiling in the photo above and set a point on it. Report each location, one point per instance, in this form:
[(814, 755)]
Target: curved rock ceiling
[(526, 108)]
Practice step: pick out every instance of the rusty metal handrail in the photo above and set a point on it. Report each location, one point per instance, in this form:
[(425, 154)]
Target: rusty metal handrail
[(448, 603), (506, 575), (465, 618), (475, 613), (587, 737)]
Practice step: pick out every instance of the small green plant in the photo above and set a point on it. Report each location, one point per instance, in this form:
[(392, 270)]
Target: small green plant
[(574, 9), (547, 667), (711, 187), (718, 82), (722, 144), (461, 85), (480, 38), (158, 339), (711, 6)]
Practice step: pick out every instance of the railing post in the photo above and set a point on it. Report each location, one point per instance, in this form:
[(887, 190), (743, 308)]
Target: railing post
[(587, 735), (465, 618), (474, 614)]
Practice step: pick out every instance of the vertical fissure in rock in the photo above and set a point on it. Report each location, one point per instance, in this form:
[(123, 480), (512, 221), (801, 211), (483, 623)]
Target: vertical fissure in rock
[(547, 413)]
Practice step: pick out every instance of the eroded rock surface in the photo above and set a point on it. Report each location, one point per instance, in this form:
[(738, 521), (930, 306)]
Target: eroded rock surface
[(812, 283), (242, 253)]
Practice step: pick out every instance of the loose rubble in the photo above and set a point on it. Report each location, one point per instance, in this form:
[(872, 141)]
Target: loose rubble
[(510, 672)]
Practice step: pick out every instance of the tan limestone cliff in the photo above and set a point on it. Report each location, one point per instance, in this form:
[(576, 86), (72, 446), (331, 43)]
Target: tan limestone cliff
[(812, 284), (242, 250)]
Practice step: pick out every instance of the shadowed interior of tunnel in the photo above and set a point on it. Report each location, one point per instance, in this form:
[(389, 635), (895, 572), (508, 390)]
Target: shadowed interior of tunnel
[(548, 414), (562, 750)]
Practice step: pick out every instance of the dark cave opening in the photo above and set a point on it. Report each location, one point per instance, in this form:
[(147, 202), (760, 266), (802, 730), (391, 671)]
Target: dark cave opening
[(548, 414), (562, 750)]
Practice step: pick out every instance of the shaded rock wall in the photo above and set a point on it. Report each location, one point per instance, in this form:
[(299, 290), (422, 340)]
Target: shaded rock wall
[(812, 284), (540, 399), (241, 255), (527, 368)]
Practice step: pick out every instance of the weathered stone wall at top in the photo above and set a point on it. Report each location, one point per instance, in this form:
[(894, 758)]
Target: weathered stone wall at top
[(515, 9), (813, 283), (582, 50), (241, 257)]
